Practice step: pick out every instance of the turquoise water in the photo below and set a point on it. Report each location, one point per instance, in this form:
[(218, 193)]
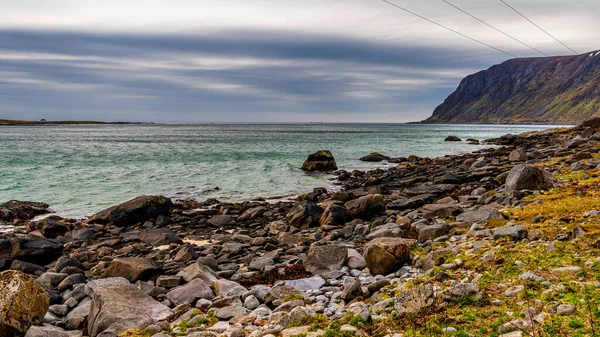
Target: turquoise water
[(82, 169)]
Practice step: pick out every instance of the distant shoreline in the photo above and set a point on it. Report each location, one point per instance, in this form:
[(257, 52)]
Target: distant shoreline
[(11, 122)]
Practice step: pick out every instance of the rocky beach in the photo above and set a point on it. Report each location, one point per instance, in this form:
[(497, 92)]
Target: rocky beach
[(503, 241)]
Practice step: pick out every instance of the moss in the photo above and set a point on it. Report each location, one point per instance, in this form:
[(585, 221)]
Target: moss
[(292, 297)]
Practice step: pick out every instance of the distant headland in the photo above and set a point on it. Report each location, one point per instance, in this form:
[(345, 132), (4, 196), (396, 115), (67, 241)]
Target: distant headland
[(48, 122)]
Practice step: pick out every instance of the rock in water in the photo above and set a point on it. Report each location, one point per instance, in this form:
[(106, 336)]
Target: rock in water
[(23, 303), (323, 259), (452, 139), (387, 255), (133, 211), (529, 177), (22, 210), (118, 306), (374, 157), (320, 161)]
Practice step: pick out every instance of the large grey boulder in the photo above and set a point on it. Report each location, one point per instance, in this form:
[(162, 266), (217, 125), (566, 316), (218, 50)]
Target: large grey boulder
[(480, 215), (323, 259), (34, 249), (133, 211), (23, 303), (190, 292), (198, 270), (529, 177), (118, 305)]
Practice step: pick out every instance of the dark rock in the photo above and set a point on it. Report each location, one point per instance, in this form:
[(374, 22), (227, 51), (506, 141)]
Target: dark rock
[(221, 221), (35, 249), (529, 177), (452, 139), (22, 210), (27, 268), (412, 203), (518, 155), (52, 228), (136, 210), (352, 291), (440, 210), (387, 255), (159, 237), (320, 161), (367, 206), (374, 157), (304, 214), (132, 268), (335, 215)]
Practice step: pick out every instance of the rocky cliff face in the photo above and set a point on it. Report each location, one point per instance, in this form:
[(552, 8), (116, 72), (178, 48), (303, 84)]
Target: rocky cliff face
[(553, 90)]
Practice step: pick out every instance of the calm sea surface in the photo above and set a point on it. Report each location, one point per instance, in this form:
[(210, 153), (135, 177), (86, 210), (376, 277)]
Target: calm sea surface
[(82, 169)]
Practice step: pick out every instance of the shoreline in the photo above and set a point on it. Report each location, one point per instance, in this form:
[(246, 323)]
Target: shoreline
[(428, 240)]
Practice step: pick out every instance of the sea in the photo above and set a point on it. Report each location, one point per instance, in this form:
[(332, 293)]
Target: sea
[(82, 169)]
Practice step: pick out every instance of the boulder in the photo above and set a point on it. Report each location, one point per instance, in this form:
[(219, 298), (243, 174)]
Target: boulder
[(221, 221), (410, 203), (433, 231), (320, 161), (22, 210), (414, 300), (52, 228), (335, 215), (518, 155), (479, 215), (50, 331), (304, 214), (452, 139), (374, 157), (159, 237), (352, 291), (198, 270), (132, 268), (118, 305), (323, 259), (386, 255), (366, 207), (529, 177), (513, 232), (190, 292), (23, 303), (133, 211), (440, 210), (34, 249)]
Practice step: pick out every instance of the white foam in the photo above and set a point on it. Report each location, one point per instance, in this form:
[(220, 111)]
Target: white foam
[(598, 53)]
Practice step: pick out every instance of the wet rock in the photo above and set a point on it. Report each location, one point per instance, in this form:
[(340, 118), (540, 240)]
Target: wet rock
[(36, 250), (374, 157), (133, 211), (22, 210), (320, 161), (518, 155), (159, 237), (367, 206), (323, 259), (529, 177), (23, 303), (52, 228), (132, 268), (387, 255), (452, 139), (118, 306), (304, 214)]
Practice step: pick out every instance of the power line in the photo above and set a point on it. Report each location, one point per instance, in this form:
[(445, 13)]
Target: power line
[(540, 28), (447, 28), (496, 29)]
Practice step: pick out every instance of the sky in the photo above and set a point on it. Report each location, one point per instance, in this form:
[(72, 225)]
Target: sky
[(263, 60)]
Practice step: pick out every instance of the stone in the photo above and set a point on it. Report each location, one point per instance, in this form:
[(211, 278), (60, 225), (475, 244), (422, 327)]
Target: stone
[(22, 210), (304, 214), (366, 206), (84, 234), (261, 263), (387, 255), (159, 237), (513, 232), (567, 270), (190, 292), (414, 300), (228, 288), (198, 271), (565, 309), (440, 210), (352, 291), (49, 331), (529, 177), (168, 281), (410, 203), (36, 250), (132, 268), (117, 306), (323, 259), (461, 291), (253, 213), (518, 155), (306, 284), (374, 157), (185, 254), (452, 139), (134, 211), (356, 260), (65, 261), (23, 303), (222, 221), (433, 231), (335, 215), (480, 215), (321, 160), (52, 228)]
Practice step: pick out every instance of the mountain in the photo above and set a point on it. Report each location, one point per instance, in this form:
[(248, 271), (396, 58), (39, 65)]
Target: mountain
[(548, 90)]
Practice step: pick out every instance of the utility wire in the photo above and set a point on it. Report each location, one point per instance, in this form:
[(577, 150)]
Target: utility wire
[(540, 28), (496, 29), (448, 28)]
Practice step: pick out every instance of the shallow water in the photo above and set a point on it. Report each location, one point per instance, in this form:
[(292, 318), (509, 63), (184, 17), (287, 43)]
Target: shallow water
[(80, 169)]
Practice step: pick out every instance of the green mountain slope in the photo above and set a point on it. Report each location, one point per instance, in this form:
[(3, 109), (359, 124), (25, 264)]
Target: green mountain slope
[(553, 90)]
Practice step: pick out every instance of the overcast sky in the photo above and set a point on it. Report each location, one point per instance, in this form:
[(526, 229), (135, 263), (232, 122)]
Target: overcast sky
[(262, 60)]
